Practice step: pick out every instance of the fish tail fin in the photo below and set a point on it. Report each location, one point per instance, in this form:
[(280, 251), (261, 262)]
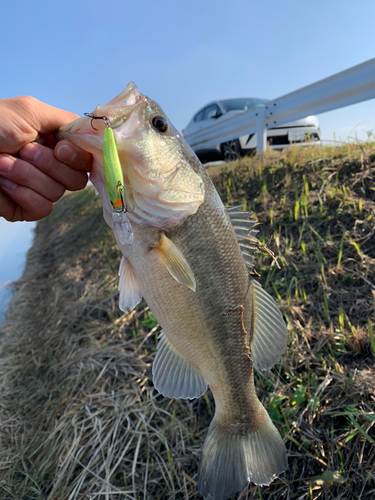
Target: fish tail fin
[(235, 454)]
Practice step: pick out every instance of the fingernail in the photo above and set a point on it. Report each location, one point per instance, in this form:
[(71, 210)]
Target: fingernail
[(66, 153), (6, 184), (30, 151), (6, 163)]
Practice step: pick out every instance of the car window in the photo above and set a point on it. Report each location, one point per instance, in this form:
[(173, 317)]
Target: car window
[(199, 116), (243, 104), (212, 112)]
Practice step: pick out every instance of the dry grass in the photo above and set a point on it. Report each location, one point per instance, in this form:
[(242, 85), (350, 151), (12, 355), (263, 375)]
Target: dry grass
[(80, 418)]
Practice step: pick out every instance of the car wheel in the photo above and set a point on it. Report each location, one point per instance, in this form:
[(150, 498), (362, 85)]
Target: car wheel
[(231, 150)]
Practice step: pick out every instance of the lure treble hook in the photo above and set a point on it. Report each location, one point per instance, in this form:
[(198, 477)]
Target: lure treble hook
[(105, 119)]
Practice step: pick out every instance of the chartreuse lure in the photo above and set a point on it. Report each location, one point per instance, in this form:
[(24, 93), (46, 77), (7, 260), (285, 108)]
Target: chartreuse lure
[(113, 176), (114, 183)]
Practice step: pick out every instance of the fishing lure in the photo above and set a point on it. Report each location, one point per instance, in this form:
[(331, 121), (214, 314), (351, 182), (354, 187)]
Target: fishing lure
[(114, 182), (114, 179)]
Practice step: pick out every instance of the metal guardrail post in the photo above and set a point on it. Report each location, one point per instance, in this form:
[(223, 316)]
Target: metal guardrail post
[(261, 131)]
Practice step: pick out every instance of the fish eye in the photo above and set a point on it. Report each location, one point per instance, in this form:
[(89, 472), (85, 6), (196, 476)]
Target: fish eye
[(160, 123)]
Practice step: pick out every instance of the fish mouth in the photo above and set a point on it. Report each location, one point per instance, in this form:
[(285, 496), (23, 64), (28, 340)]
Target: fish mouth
[(82, 134), (87, 132)]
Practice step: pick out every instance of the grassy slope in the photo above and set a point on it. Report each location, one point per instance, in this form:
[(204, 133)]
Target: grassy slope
[(79, 415)]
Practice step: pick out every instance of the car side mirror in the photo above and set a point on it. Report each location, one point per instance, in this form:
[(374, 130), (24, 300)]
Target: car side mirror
[(218, 114)]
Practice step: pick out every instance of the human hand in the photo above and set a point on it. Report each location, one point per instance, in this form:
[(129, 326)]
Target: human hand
[(32, 174)]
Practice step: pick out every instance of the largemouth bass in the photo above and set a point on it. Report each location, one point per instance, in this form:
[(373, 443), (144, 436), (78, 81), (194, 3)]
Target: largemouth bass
[(187, 256)]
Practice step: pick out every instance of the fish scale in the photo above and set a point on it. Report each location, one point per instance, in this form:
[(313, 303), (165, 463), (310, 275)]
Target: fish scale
[(185, 260)]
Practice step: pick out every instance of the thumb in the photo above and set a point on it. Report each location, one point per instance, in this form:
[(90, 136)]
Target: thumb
[(44, 118)]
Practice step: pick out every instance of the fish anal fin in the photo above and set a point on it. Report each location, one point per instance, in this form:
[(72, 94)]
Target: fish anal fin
[(269, 335), (173, 376), (175, 262), (130, 291)]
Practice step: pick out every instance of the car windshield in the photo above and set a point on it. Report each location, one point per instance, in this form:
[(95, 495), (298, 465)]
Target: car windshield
[(243, 103)]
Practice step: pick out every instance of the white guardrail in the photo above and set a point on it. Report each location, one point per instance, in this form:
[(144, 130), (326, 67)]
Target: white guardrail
[(353, 85)]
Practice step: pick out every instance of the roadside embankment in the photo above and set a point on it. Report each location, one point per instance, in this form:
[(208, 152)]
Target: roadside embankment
[(79, 417)]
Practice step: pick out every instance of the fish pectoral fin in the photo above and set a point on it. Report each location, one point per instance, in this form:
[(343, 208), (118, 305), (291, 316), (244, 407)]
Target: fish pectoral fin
[(173, 376), (130, 291), (175, 262), (268, 335)]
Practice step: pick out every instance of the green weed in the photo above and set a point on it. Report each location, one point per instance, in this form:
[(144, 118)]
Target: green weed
[(371, 336)]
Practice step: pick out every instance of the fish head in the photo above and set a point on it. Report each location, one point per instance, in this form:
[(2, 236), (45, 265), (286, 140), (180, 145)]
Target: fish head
[(162, 177)]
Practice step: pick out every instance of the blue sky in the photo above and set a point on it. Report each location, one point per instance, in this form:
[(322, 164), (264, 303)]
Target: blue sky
[(77, 54)]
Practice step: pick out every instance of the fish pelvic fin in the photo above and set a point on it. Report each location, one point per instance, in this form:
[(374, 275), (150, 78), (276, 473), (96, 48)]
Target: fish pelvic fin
[(175, 262), (130, 291), (236, 454), (268, 333), (173, 376)]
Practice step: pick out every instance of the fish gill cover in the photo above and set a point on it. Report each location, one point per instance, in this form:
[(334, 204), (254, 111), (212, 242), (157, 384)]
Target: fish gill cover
[(79, 415)]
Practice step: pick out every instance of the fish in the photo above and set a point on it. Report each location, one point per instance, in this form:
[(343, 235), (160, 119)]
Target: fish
[(189, 257)]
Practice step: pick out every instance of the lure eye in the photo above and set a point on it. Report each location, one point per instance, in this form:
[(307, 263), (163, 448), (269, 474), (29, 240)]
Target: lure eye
[(160, 123)]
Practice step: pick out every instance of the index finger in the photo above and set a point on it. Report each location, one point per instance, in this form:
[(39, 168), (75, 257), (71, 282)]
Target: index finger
[(73, 156)]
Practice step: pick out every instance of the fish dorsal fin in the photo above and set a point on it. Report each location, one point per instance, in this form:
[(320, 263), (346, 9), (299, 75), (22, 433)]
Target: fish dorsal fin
[(130, 291), (269, 335), (244, 230), (175, 262), (173, 376)]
